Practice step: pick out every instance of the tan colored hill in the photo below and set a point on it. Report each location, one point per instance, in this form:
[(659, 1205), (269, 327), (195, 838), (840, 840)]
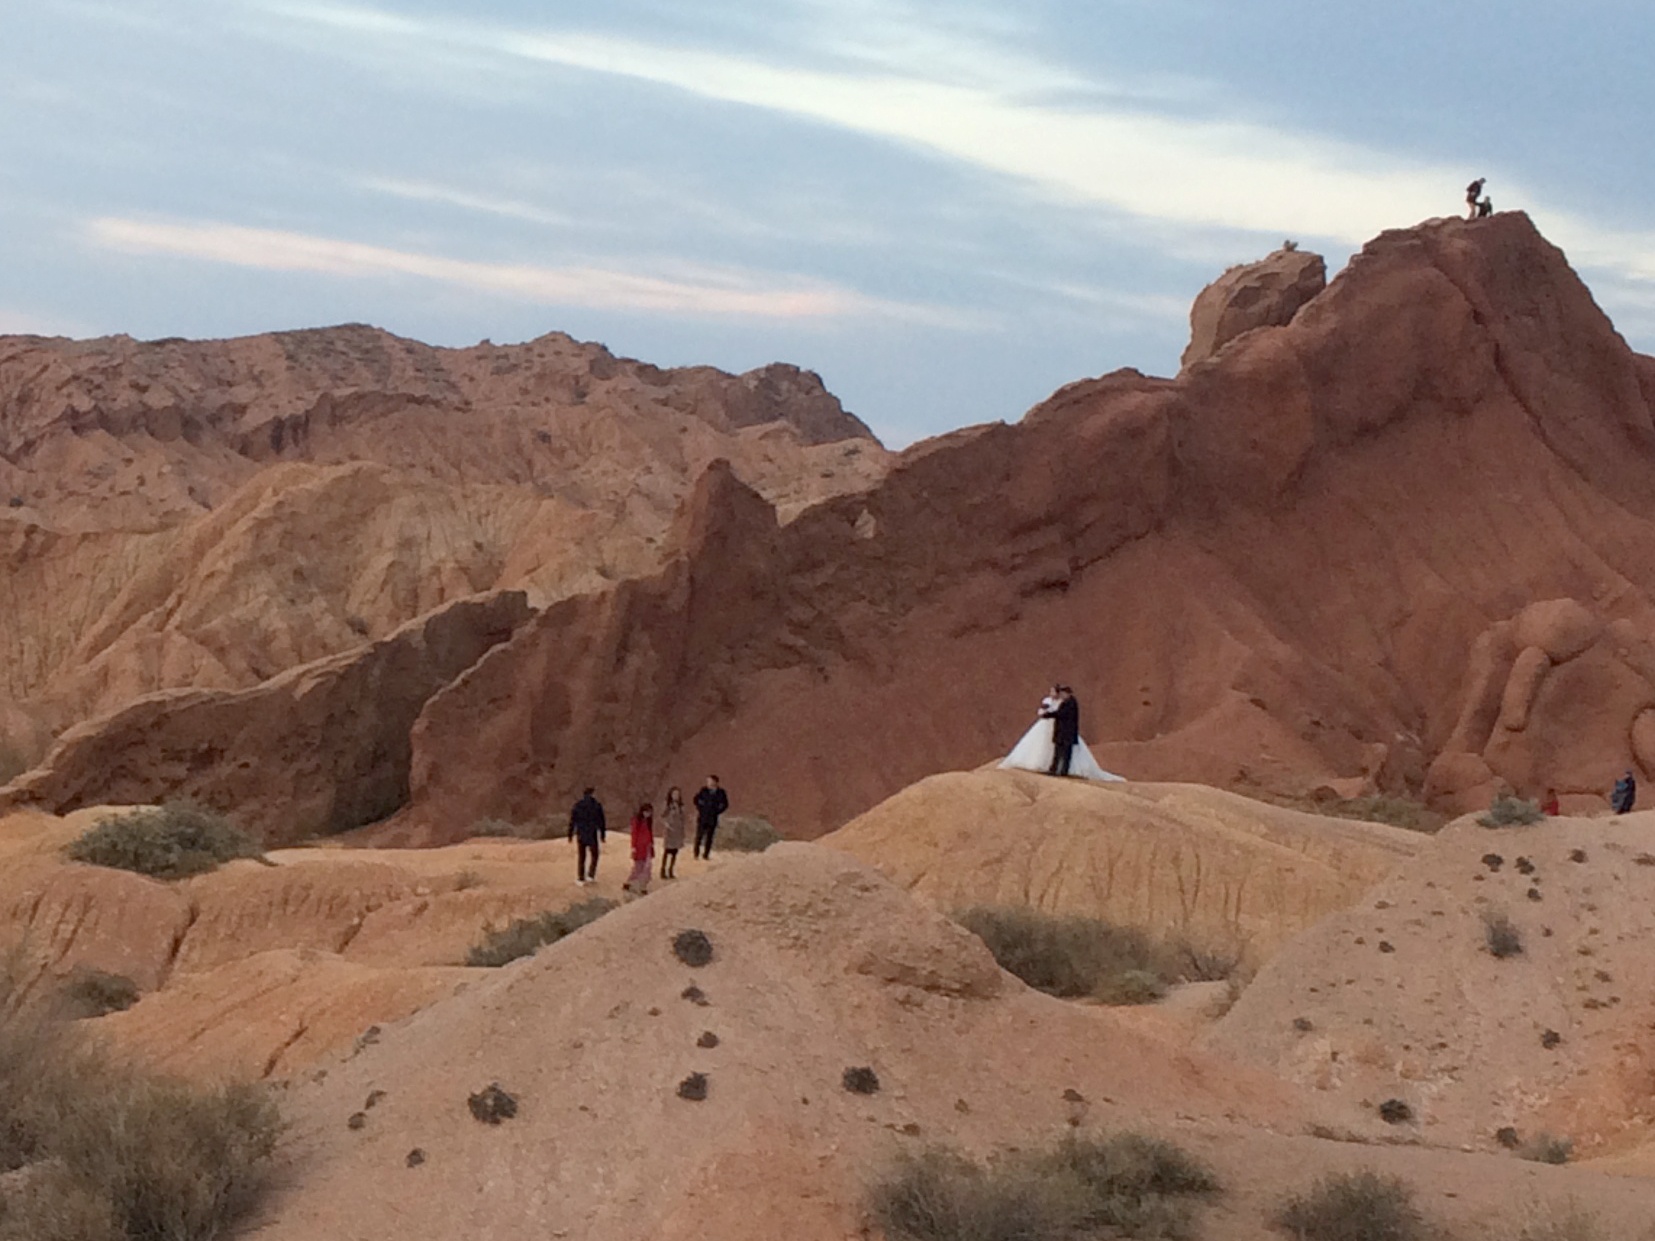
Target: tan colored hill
[(210, 514), (1401, 996), (818, 965), (1231, 876)]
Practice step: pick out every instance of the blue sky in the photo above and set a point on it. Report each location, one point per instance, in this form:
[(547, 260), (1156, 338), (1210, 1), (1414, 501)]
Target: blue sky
[(947, 209)]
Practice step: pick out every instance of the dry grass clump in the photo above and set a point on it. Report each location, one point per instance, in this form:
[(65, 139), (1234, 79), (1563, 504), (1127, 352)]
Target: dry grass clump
[(1547, 1148), (1402, 812), (526, 935), (93, 993), (506, 828), (93, 1152), (1074, 957), (1562, 1222), (1121, 1186), (1501, 934), (170, 841), (1354, 1206), (1509, 811), (746, 833)]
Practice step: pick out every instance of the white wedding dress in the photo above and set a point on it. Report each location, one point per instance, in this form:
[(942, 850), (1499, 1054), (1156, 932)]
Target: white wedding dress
[(1034, 751)]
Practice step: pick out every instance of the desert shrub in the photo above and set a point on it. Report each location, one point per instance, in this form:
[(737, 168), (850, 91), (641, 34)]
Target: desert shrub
[(1072, 956), (745, 833), (1560, 1222), (1354, 1206), (169, 841), (1548, 1148), (1122, 1186), (524, 936), (693, 948), (93, 993), (1501, 935), (1509, 811), (102, 1153), (1402, 812)]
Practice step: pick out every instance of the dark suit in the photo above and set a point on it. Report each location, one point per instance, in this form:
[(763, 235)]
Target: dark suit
[(1065, 734)]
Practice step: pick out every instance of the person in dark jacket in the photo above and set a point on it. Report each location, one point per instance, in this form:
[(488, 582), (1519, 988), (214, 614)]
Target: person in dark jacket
[(710, 803), (587, 826), (1625, 795), (1473, 192), (1065, 730)]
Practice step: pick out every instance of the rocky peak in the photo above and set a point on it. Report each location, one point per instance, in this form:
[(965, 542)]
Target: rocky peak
[(1267, 293)]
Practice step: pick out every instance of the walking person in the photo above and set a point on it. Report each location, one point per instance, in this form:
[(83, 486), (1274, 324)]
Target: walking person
[(587, 826), (710, 802), (643, 850), (672, 834), (1625, 795)]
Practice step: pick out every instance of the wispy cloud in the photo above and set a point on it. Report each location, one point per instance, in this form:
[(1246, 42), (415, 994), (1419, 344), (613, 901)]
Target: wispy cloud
[(883, 70), (996, 111), (430, 192), (690, 290), (25, 323)]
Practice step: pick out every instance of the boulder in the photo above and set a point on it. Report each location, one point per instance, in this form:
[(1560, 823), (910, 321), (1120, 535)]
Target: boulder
[(1267, 293)]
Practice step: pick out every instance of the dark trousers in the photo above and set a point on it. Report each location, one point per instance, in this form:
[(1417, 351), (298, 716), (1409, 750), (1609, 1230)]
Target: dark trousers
[(704, 839), (669, 863), (1061, 755), (588, 848)]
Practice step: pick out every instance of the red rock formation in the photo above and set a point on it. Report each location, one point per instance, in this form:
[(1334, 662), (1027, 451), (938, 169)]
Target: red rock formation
[(1263, 294), (1270, 572), (322, 748), (1301, 564)]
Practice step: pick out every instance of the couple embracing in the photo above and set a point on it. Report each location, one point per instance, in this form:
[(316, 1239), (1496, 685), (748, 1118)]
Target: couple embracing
[(1053, 745)]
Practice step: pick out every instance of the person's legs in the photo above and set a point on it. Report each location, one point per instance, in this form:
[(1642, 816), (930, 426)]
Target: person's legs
[(1065, 753), (703, 840), (708, 851), (580, 861), (669, 863)]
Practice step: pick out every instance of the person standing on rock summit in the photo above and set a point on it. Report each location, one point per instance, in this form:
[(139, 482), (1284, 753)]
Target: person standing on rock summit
[(587, 826), (1473, 192), (1065, 730), (710, 803)]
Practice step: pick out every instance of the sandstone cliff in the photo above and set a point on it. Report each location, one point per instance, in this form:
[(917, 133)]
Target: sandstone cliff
[(1310, 561)]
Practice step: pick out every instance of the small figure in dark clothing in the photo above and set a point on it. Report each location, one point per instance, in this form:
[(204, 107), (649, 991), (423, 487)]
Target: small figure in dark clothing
[(710, 802), (1473, 193), (1485, 208), (586, 825), (1065, 717), (1625, 795)]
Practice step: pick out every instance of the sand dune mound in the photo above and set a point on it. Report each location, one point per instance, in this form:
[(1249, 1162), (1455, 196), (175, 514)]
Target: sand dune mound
[(1230, 875), (818, 965), (1401, 996)]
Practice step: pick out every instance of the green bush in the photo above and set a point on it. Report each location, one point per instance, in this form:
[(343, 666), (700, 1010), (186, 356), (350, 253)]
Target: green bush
[(102, 1153), (1122, 1186), (1074, 957), (1354, 1206), (526, 935), (1548, 1148), (1508, 811), (745, 833), (170, 841)]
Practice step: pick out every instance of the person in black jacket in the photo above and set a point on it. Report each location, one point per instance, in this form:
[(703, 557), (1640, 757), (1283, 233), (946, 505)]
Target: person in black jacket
[(1065, 730), (1625, 795), (586, 824), (710, 802)]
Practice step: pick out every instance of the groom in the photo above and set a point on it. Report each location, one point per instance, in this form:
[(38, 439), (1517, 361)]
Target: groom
[(1065, 719)]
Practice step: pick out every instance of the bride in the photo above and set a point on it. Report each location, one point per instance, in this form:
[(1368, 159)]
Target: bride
[(1034, 752)]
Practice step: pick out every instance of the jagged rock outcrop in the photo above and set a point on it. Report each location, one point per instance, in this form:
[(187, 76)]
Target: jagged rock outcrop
[(1267, 293), (317, 750), (1269, 573)]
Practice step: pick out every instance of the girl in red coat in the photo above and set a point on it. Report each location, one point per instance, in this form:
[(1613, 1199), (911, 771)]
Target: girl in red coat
[(643, 849)]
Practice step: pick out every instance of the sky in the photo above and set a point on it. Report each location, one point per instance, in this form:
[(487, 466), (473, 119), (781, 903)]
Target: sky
[(947, 209)]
